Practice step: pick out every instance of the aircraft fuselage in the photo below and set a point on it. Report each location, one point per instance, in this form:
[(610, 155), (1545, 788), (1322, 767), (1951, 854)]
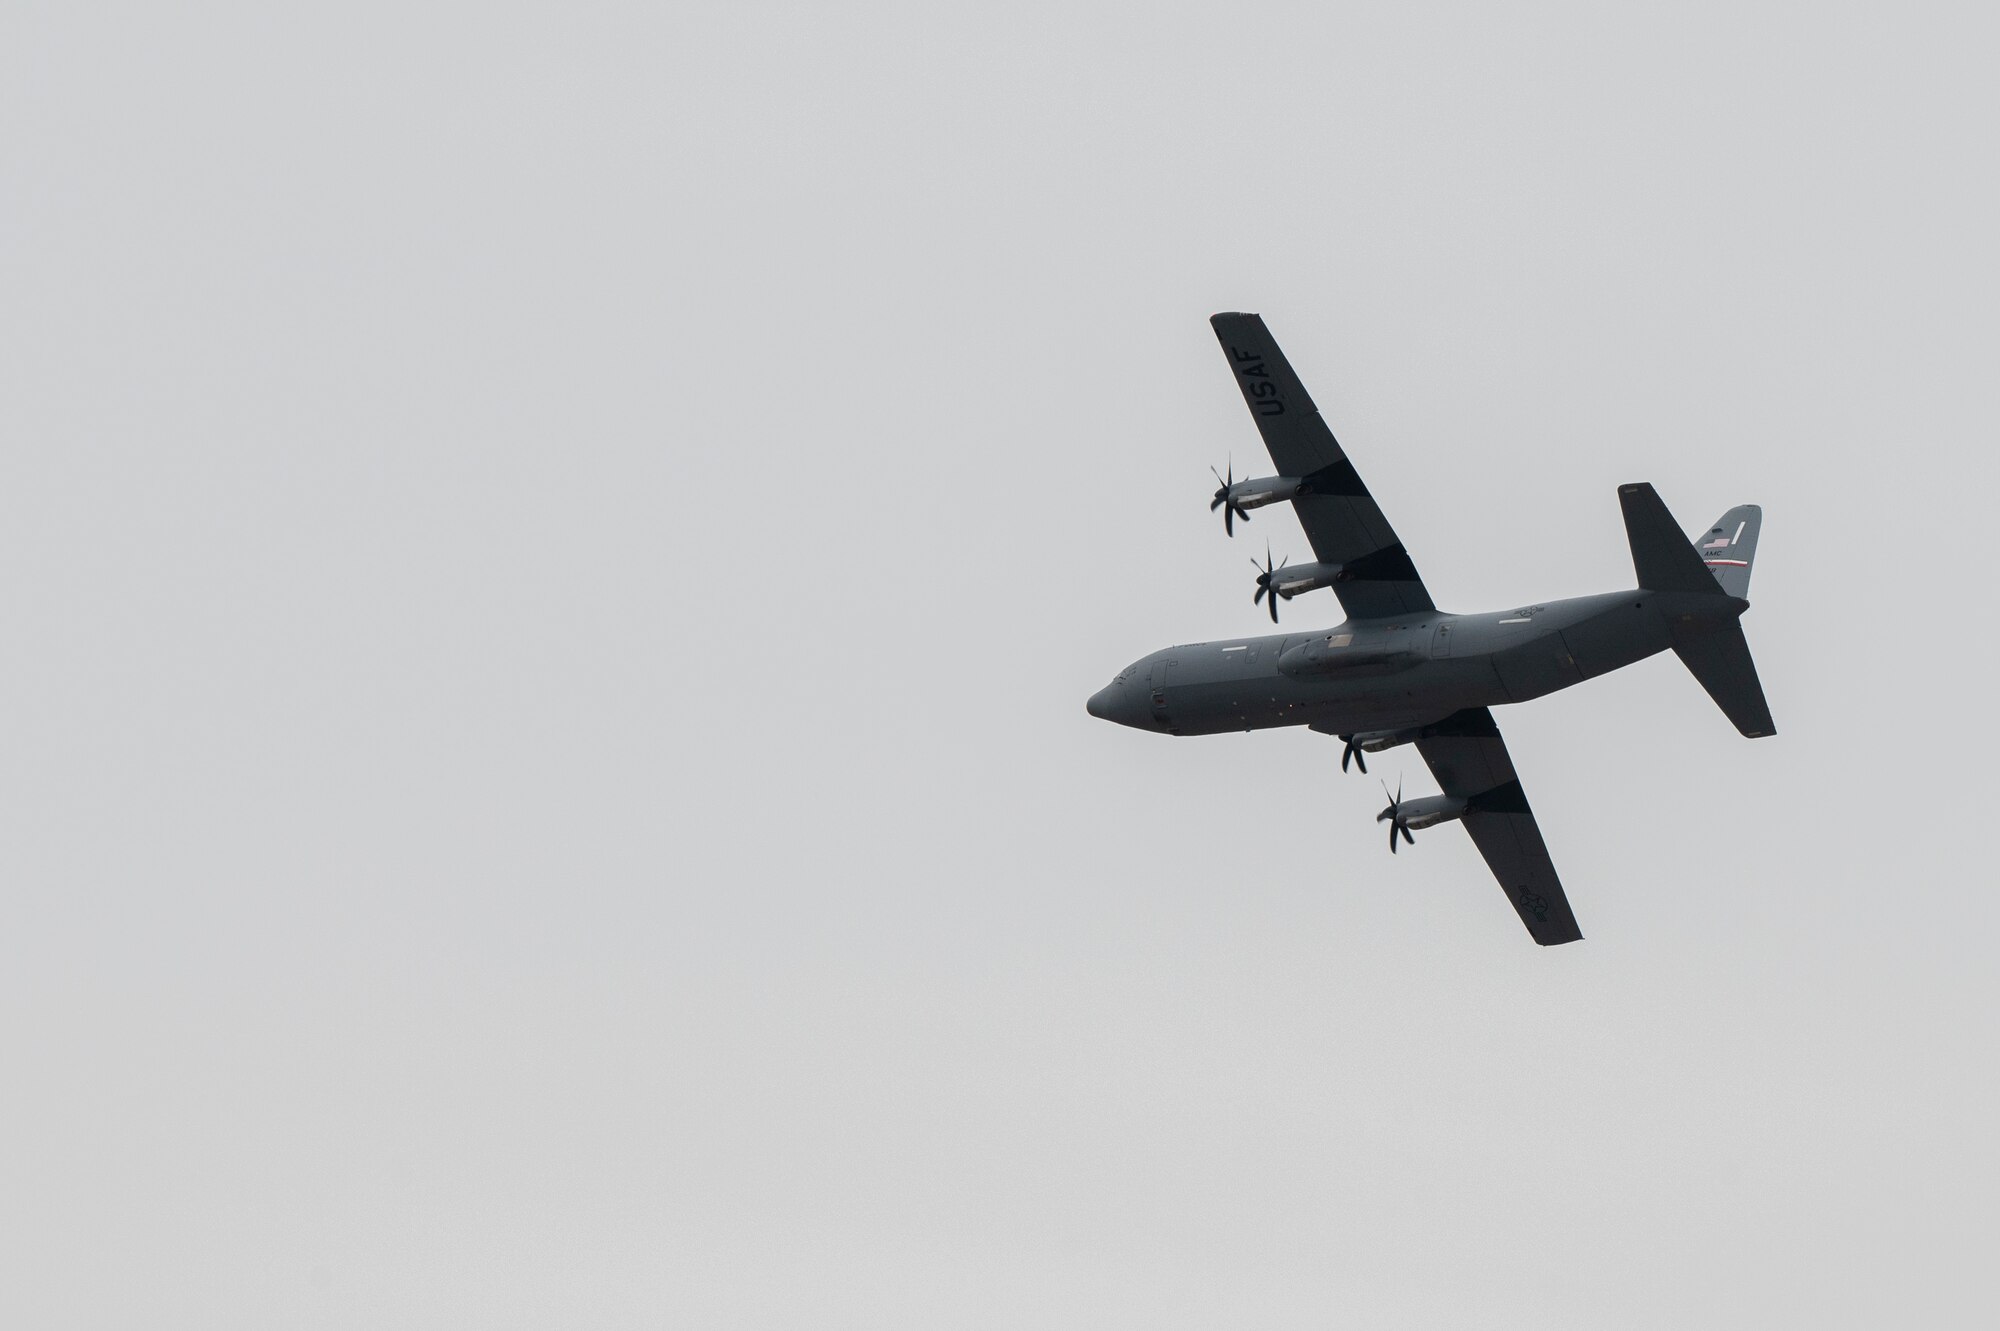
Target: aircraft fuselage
[(1399, 672)]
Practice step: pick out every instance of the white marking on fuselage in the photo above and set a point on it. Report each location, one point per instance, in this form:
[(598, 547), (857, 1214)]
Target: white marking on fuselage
[(1240, 647), (1522, 620), (1739, 531)]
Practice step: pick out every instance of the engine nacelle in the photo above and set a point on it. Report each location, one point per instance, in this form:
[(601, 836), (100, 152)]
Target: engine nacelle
[(1264, 490), (1331, 653), (1292, 579), (1374, 741), (1425, 811)]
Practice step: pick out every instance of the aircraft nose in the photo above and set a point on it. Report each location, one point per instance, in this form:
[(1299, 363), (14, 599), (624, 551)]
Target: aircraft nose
[(1111, 703)]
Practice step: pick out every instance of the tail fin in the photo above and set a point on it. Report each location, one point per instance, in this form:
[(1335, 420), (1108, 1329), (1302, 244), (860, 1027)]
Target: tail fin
[(1711, 646), (1731, 546)]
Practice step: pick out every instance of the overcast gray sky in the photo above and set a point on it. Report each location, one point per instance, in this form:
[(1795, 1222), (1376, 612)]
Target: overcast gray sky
[(553, 560)]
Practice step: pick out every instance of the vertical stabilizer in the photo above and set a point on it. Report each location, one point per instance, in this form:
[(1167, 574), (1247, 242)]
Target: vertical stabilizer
[(1730, 546), (1710, 645)]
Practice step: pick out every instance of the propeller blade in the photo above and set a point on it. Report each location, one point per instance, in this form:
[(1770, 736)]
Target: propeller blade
[(1223, 500), (1394, 813), (1258, 599), (1274, 607)]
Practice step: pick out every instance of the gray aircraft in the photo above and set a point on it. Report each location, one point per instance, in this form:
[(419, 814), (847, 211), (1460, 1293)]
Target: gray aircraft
[(1401, 671)]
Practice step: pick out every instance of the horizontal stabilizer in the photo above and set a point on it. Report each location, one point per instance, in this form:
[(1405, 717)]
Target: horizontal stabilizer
[(1665, 559), (1720, 659)]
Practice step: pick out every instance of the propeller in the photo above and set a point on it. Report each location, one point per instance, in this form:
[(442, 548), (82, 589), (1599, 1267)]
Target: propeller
[(1265, 587), (1233, 510), (1352, 750), (1394, 816)]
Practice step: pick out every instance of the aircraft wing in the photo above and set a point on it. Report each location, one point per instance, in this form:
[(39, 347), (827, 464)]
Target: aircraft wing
[(1469, 760), (1341, 518)]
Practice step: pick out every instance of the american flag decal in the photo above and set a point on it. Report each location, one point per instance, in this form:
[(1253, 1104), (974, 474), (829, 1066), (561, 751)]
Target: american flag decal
[(1720, 543)]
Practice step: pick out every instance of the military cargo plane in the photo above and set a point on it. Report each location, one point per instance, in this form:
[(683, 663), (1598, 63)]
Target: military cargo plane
[(1401, 671)]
